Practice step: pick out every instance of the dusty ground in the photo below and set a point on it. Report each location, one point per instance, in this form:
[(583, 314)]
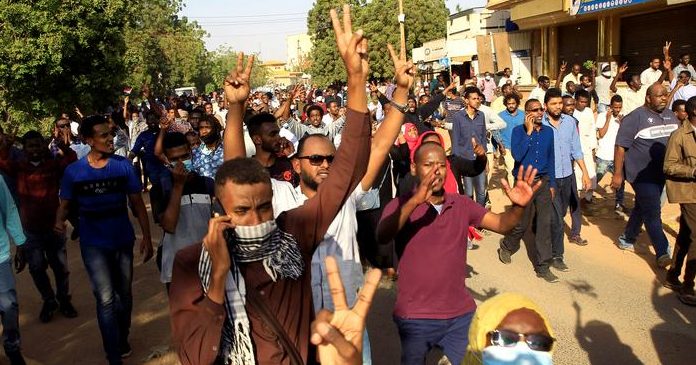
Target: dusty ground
[(623, 315)]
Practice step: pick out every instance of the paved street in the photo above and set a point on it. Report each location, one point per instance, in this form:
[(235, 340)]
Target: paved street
[(624, 316)]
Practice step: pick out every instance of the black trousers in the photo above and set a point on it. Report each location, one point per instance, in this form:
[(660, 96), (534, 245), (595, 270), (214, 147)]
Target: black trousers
[(538, 214)]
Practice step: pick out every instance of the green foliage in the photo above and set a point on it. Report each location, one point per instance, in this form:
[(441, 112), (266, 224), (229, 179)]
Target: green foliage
[(223, 60), (56, 55), (426, 20)]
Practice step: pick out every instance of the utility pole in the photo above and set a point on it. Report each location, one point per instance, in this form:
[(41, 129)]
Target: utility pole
[(402, 20)]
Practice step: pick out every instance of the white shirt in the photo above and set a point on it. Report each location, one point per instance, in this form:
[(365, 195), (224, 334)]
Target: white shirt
[(587, 130), (684, 93), (538, 94), (251, 148), (339, 241), (605, 149), (602, 85), (632, 100), (650, 76), (503, 80), (570, 77), (327, 119)]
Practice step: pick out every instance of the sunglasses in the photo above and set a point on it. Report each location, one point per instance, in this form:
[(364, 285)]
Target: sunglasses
[(63, 125), (317, 160), (535, 110), (536, 342)]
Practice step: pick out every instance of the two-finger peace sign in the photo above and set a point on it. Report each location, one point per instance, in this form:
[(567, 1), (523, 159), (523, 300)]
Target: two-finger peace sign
[(352, 46), (237, 83), (404, 70)]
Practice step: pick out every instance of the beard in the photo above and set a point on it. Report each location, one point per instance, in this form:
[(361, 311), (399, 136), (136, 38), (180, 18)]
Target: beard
[(440, 192), (309, 181)]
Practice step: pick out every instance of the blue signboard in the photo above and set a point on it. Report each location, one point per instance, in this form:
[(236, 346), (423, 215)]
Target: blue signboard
[(579, 7)]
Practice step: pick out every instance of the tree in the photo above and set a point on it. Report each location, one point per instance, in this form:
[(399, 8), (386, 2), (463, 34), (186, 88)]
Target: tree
[(426, 20), (59, 54), (56, 54), (327, 66), (223, 60)]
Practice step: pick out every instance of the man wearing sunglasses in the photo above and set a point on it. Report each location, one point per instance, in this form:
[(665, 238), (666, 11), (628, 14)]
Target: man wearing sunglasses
[(269, 324), (532, 144)]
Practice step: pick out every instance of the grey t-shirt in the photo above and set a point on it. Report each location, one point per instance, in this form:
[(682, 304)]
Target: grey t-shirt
[(644, 134)]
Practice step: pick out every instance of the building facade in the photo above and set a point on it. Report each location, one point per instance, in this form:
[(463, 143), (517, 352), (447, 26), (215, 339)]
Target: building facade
[(298, 48), (616, 31)]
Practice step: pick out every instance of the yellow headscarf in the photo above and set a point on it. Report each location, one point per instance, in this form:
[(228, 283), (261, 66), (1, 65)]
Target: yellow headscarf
[(487, 318)]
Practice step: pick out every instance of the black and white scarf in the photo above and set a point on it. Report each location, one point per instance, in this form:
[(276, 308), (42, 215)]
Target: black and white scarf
[(281, 258)]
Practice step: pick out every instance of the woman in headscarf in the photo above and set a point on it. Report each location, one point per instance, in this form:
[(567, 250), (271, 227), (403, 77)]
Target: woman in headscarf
[(509, 329), (468, 168)]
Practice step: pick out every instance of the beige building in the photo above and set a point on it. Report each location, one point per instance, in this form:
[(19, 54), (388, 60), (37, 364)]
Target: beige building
[(279, 75), (298, 48), (618, 31)]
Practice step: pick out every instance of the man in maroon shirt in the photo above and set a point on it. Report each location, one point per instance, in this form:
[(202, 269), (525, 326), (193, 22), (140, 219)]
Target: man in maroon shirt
[(430, 229), (37, 177)]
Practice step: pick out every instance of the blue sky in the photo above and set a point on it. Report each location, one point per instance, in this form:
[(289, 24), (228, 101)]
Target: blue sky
[(260, 25)]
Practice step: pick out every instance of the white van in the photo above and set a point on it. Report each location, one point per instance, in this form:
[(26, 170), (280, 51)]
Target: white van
[(190, 90)]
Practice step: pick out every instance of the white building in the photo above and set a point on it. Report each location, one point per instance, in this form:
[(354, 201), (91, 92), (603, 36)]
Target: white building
[(298, 48)]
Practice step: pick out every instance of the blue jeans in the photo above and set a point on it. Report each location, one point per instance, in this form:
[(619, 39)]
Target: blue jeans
[(110, 272), (9, 309), (647, 211), (477, 183), (41, 251), (604, 166), (566, 197), (419, 336)]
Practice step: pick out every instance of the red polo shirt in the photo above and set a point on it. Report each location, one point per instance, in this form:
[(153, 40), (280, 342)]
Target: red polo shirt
[(432, 258)]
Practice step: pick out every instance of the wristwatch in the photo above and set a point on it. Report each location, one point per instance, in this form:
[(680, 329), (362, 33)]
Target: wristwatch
[(402, 108)]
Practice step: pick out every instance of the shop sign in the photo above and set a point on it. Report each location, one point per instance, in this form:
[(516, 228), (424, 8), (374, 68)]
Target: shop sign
[(579, 7)]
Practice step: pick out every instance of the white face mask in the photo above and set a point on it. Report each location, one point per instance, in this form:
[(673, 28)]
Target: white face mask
[(488, 78), (520, 354)]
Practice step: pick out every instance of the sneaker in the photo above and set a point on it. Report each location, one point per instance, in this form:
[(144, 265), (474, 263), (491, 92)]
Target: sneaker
[(664, 261), (548, 276), (126, 350), (558, 264), (625, 244), (16, 358), (504, 256), (49, 307), (578, 240), (66, 308)]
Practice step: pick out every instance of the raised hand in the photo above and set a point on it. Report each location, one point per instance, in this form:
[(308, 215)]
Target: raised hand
[(373, 85), (564, 67), (425, 188), (665, 50), (623, 68), (339, 335), (525, 187), (404, 71), (667, 63), (287, 149), (351, 46), (236, 84)]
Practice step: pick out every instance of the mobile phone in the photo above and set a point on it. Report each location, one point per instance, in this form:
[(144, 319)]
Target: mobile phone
[(217, 208)]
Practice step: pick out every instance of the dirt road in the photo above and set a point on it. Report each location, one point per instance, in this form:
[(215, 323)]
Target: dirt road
[(609, 309)]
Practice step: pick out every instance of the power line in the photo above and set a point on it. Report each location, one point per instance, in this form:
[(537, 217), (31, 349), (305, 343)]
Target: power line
[(252, 22), (246, 16)]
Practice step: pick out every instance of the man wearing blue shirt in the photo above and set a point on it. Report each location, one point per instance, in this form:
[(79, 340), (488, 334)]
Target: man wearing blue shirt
[(10, 231), (512, 117), (470, 123), (102, 184), (566, 151), (639, 158), (532, 144)]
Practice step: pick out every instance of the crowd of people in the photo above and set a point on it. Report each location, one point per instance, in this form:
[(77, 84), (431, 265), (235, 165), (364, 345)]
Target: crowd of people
[(273, 205)]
